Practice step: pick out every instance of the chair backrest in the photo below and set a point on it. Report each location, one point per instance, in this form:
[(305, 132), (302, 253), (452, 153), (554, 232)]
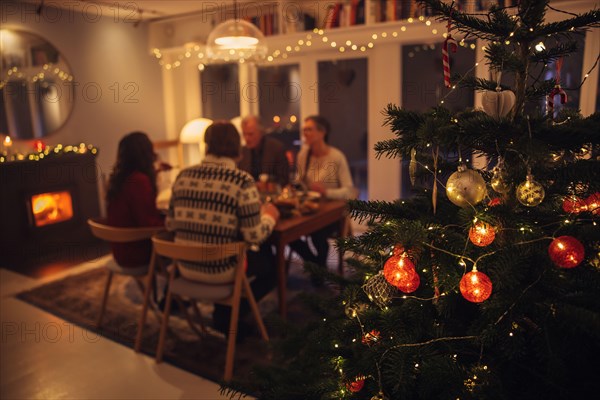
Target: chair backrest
[(165, 245), (121, 235)]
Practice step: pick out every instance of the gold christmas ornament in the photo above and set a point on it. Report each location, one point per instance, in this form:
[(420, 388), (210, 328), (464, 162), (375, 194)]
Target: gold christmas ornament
[(379, 396), (499, 181), (465, 187), (379, 290), (353, 310), (530, 193), (556, 156), (412, 166)]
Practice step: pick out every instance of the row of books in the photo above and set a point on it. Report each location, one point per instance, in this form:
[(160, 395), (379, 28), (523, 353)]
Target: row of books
[(471, 6), (353, 12), (393, 10), (267, 23), (396, 10), (348, 13)]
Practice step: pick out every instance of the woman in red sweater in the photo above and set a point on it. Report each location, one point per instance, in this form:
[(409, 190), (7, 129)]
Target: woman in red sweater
[(131, 197)]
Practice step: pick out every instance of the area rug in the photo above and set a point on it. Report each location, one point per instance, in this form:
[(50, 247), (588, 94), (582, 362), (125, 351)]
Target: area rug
[(77, 299)]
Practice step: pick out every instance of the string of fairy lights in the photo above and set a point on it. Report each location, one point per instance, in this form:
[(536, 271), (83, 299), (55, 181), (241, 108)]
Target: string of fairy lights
[(33, 75), (373, 336), (43, 151), (312, 38)]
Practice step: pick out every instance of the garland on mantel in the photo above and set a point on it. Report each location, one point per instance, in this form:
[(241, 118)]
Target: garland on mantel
[(47, 152)]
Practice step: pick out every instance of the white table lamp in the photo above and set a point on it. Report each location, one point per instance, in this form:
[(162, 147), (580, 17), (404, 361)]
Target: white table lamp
[(193, 132)]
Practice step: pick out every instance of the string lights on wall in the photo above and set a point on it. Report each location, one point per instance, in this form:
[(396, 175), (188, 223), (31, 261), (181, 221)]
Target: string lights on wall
[(312, 39)]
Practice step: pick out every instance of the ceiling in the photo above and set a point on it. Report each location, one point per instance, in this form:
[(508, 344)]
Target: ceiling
[(151, 10)]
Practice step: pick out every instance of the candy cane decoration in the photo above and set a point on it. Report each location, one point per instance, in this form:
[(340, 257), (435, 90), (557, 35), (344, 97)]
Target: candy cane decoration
[(445, 57), (557, 90)]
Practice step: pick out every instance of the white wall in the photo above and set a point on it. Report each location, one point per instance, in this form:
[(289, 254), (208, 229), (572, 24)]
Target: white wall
[(103, 54)]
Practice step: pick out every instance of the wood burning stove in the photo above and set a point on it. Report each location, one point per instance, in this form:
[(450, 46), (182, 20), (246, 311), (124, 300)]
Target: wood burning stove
[(50, 208), (44, 206)]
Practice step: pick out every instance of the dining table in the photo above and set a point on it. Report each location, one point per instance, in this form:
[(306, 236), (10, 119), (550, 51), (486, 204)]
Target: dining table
[(289, 229)]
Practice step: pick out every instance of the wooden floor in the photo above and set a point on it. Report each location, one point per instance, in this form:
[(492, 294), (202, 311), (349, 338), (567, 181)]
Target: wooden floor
[(45, 357)]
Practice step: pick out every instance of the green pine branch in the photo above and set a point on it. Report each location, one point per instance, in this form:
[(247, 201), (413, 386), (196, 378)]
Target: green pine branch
[(585, 20), (498, 25)]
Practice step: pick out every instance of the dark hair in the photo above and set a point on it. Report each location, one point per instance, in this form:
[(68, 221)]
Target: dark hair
[(222, 140), (321, 123), (135, 154)]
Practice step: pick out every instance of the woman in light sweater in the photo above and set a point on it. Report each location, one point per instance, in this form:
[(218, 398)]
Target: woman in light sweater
[(324, 169)]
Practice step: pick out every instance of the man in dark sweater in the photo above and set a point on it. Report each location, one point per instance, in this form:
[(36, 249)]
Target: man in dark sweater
[(263, 154)]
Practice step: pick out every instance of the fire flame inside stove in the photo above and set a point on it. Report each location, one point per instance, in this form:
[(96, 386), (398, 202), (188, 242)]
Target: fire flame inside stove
[(50, 208)]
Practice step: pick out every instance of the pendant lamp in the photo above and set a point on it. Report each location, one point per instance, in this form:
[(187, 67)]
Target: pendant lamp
[(236, 40)]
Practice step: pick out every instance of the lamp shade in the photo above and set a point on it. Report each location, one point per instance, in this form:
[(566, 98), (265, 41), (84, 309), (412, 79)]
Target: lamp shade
[(236, 40), (193, 131)]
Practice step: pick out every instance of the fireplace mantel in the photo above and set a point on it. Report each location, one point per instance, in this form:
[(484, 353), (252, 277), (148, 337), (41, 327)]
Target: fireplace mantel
[(20, 237)]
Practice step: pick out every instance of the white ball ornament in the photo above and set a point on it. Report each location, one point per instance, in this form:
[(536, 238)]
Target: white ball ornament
[(465, 187)]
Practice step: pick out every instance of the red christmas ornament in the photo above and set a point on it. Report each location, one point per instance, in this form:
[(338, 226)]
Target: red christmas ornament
[(566, 252), (592, 204), (371, 337), (482, 234), (356, 385), (476, 286), (558, 90), (496, 201), (449, 42), (400, 272), (573, 205)]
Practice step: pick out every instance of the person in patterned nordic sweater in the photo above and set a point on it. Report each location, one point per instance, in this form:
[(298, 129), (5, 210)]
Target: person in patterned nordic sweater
[(214, 202)]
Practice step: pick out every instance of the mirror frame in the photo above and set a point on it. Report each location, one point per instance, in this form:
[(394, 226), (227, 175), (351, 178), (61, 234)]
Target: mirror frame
[(36, 85)]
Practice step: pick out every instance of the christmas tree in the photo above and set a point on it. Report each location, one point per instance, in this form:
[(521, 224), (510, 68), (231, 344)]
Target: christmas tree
[(485, 283)]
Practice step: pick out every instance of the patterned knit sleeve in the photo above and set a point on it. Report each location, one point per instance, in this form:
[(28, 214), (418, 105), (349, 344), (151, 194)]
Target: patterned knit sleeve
[(170, 218), (254, 228)]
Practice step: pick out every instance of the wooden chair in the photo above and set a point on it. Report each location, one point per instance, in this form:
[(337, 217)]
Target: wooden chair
[(121, 235), (228, 294)]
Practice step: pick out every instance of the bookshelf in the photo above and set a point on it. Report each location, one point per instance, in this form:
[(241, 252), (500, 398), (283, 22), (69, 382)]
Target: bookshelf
[(291, 16)]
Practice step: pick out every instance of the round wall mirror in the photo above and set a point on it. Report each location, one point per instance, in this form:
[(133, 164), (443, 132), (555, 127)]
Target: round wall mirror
[(36, 86)]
